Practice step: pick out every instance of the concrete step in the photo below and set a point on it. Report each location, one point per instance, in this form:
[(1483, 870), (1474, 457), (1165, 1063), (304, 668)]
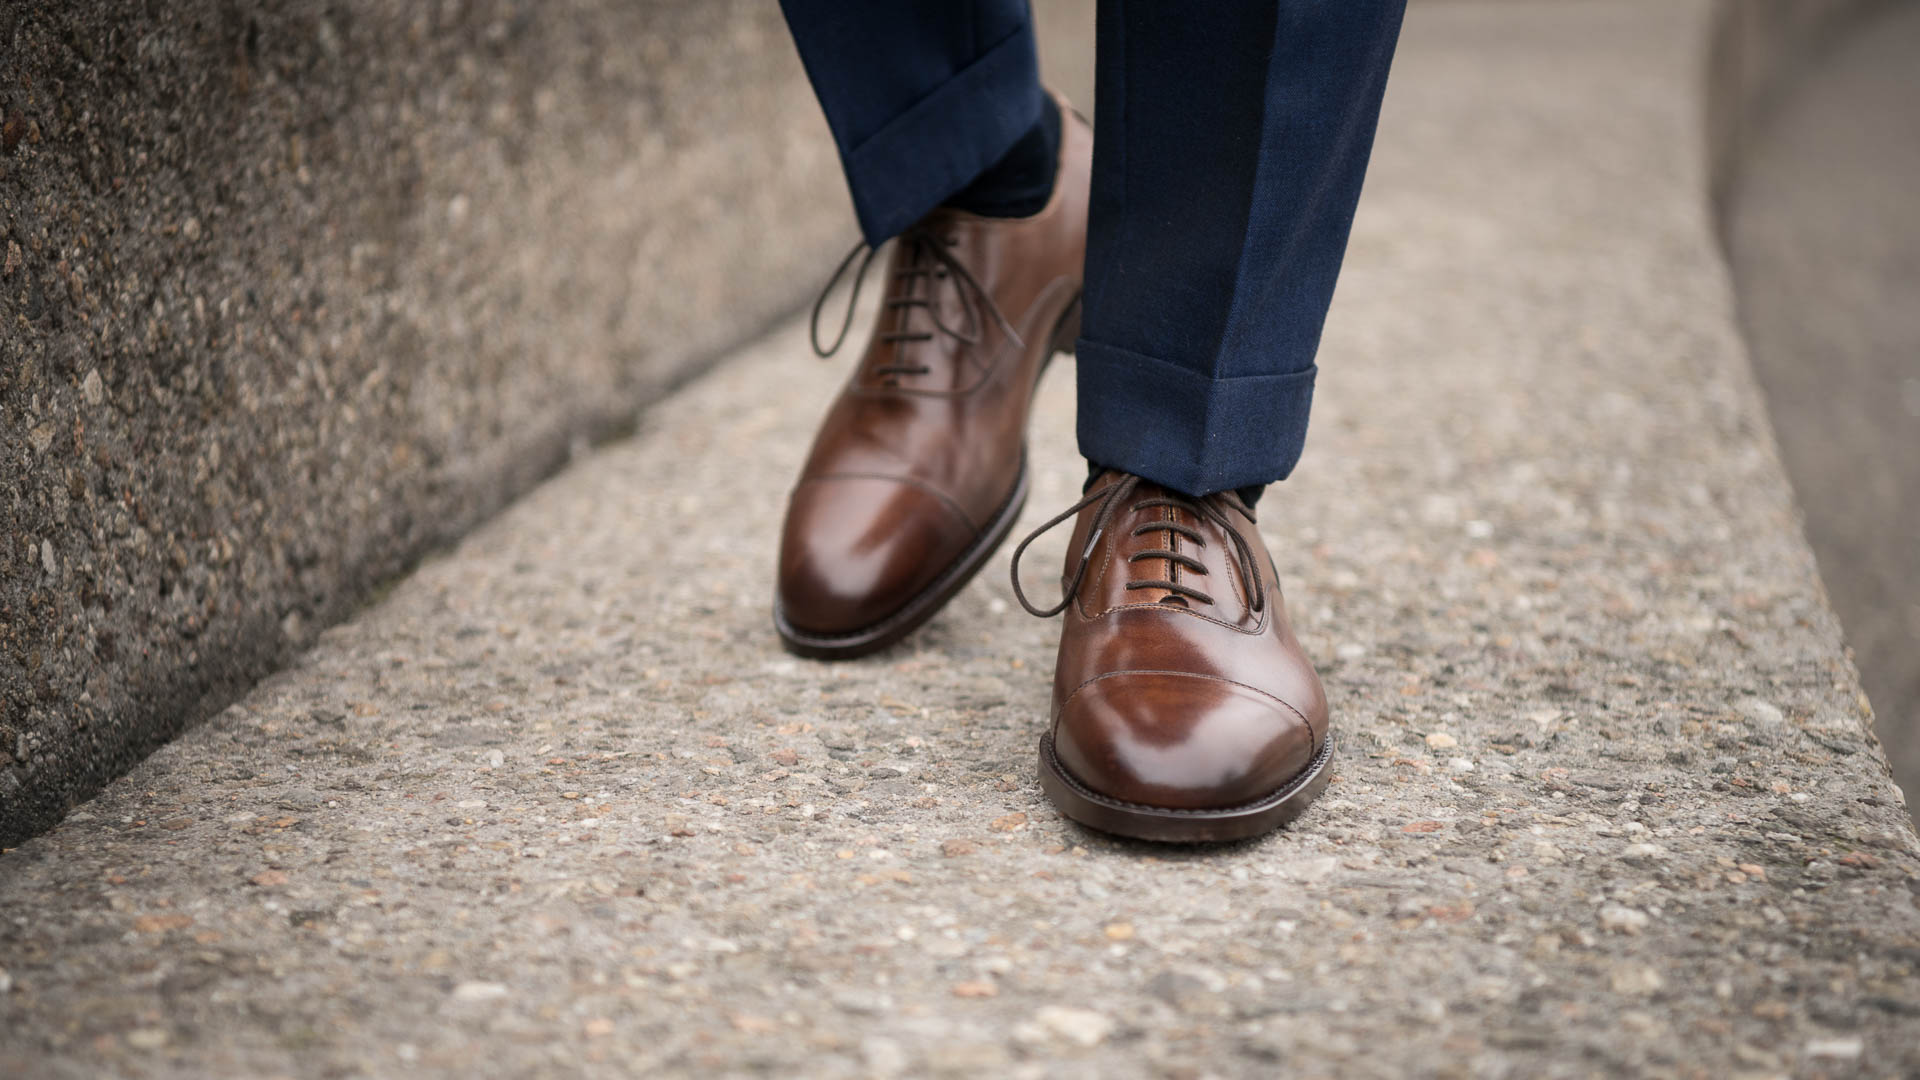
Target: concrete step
[(1607, 800)]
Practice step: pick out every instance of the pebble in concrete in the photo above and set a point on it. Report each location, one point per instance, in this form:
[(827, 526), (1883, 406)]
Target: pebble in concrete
[(559, 805)]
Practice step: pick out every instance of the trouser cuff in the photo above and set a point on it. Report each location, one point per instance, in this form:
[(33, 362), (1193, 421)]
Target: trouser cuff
[(926, 154), (1188, 431)]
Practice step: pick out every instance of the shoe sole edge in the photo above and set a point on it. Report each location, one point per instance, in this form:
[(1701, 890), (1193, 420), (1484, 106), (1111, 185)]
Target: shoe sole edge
[(1168, 825)]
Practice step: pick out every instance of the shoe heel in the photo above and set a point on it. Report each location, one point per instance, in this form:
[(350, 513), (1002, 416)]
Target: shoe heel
[(1067, 330)]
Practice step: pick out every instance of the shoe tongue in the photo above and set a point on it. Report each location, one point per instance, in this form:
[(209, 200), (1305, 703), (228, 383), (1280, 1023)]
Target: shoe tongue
[(1128, 544), (918, 305), (941, 220)]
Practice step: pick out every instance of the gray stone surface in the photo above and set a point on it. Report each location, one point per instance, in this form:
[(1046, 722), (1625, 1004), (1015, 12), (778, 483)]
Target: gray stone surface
[(1823, 231), (293, 293), (1606, 803)]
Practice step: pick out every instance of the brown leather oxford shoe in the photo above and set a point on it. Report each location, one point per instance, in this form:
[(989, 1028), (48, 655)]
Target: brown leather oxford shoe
[(1183, 706), (919, 469)]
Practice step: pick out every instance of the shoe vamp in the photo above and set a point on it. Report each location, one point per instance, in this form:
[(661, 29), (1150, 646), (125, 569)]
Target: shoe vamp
[(1128, 556), (1153, 637), (949, 445)]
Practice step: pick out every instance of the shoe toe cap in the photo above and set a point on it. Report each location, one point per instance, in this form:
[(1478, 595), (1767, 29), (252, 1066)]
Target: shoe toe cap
[(1180, 741), (857, 549)]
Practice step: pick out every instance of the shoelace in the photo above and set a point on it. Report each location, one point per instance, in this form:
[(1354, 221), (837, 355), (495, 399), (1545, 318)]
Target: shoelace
[(926, 256), (1114, 496)]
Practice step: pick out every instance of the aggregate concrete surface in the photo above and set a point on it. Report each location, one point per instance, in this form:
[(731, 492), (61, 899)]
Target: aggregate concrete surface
[(291, 293), (1607, 800)]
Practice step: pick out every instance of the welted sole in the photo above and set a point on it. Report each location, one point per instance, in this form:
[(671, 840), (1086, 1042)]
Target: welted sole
[(1097, 811)]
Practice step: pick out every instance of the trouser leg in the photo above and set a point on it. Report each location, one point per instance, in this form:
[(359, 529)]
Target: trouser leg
[(1230, 141), (921, 96)]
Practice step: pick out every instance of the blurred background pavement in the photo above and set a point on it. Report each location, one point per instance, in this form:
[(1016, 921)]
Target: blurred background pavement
[(1821, 215)]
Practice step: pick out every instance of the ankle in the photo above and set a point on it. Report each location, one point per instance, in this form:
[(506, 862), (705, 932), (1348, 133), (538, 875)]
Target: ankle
[(1249, 495), (1021, 182)]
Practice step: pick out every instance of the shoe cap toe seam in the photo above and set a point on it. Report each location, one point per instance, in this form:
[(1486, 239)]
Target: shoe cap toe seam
[(945, 499), (1269, 695)]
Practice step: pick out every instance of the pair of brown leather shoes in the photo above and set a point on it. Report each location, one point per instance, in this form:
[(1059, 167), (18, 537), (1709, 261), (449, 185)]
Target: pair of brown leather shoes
[(1183, 706)]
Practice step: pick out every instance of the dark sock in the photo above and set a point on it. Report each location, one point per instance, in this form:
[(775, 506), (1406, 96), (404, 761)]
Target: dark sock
[(1019, 184), (1094, 469), (1248, 495)]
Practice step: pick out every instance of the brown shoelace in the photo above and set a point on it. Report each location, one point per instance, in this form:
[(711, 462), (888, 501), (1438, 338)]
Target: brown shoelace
[(927, 257), (1115, 495)]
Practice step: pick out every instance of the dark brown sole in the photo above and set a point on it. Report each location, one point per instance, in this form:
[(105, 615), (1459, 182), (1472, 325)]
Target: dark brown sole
[(871, 639), (905, 621), (1096, 811)]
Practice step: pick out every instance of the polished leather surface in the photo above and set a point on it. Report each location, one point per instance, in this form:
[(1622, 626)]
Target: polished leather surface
[(1165, 700), (908, 469)]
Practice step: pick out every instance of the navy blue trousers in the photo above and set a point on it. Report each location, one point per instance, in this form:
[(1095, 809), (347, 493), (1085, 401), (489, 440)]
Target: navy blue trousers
[(1230, 142)]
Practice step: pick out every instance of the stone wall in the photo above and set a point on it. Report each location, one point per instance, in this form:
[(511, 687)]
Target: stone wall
[(293, 293)]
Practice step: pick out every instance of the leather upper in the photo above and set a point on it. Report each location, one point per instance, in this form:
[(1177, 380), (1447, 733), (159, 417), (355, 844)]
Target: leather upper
[(924, 444), (1168, 700)]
